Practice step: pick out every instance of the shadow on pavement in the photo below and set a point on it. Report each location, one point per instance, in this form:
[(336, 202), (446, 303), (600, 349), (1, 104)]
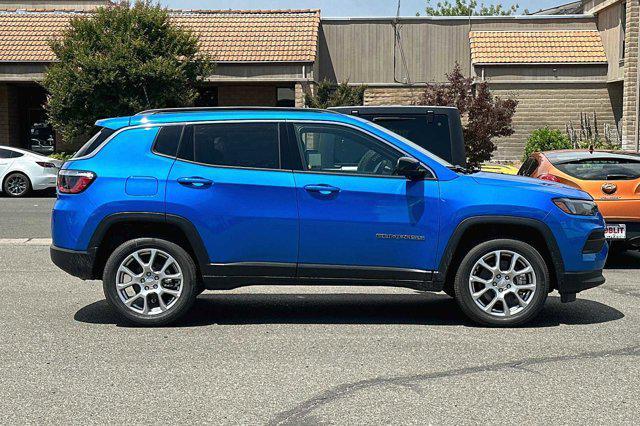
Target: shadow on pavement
[(426, 309), (625, 260), (44, 193)]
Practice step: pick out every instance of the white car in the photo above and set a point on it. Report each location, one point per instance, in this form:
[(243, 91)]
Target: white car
[(22, 171)]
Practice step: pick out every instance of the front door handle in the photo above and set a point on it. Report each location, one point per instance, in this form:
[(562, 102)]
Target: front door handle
[(322, 188), (195, 182)]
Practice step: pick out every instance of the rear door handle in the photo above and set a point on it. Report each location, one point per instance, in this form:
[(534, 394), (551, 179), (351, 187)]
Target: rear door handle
[(322, 188), (195, 182)]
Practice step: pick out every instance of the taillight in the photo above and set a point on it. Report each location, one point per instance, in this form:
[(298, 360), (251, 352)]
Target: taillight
[(74, 181), (547, 176), (46, 165)]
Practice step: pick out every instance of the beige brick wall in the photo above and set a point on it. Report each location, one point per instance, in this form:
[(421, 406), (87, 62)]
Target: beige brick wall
[(392, 95), (552, 105), (301, 89), (630, 118)]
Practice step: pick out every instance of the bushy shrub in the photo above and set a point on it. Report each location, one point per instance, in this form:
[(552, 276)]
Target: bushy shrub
[(546, 139), (62, 156), (330, 94)]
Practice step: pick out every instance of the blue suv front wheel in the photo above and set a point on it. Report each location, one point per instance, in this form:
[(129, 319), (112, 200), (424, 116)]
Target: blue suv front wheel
[(502, 282)]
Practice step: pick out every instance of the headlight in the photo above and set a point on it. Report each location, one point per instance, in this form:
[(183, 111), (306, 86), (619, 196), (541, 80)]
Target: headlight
[(577, 207)]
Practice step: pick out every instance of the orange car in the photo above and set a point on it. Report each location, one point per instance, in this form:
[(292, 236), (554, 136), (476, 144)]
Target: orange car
[(611, 177)]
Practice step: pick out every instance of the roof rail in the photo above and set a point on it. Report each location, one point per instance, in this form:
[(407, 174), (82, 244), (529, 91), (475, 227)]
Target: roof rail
[(213, 109)]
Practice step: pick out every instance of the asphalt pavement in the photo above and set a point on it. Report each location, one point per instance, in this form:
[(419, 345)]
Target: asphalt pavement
[(306, 355)]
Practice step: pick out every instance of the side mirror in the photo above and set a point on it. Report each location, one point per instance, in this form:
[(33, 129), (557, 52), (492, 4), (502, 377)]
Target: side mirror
[(410, 168)]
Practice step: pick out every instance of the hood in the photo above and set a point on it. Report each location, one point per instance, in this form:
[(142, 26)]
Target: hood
[(531, 184)]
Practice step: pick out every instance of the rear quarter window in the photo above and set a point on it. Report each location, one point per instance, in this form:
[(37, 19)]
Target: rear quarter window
[(167, 140), (100, 134), (602, 169)]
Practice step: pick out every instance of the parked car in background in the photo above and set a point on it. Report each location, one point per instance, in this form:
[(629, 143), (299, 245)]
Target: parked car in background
[(167, 203), (436, 129), (22, 171), (612, 178), (41, 139)]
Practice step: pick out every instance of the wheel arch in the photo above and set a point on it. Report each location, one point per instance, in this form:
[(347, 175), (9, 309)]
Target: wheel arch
[(474, 230), (117, 228)]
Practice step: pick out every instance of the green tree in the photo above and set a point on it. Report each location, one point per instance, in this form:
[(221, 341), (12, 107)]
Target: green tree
[(468, 8), (330, 94), (121, 60)]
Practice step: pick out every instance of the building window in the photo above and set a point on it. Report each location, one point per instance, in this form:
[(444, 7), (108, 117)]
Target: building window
[(286, 97), (623, 31)]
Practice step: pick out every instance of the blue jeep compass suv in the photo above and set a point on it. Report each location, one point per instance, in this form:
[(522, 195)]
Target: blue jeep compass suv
[(167, 203)]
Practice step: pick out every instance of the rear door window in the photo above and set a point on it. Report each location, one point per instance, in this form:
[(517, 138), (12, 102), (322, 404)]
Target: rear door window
[(100, 134), (602, 168), (252, 145), (431, 133), (5, 153)]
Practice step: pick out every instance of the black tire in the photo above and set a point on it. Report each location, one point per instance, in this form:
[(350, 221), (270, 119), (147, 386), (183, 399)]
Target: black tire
[(11, 177), (189, 284), (463, 292)]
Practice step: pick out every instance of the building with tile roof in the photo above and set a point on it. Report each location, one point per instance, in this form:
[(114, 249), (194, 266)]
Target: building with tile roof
[(556, 66)]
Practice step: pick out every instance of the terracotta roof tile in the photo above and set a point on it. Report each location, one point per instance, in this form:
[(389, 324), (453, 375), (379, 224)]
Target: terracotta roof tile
[(228, 36), (522, 47)]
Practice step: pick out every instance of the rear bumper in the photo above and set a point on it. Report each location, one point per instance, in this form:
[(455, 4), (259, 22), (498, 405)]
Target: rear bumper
[(575, 282), (44, 181), (76, 263)]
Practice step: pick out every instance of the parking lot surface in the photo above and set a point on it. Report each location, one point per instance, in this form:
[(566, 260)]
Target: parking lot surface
[(305, 355)]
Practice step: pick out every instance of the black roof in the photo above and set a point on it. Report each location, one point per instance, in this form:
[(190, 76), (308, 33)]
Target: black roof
[(559, 157)]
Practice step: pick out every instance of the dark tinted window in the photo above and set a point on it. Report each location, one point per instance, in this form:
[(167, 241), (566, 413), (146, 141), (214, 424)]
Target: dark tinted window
[(331, 148), (528, 167), (5, 153), (100, 134), (233, 144), (602, 169), (434, 136), (167, 140)]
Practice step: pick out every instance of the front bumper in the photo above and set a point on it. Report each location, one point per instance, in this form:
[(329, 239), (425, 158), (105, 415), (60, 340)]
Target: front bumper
[(76, 263), (574, 282)]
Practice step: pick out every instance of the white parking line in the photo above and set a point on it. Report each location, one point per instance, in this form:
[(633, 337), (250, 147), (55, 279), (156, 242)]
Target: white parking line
[(25, 241)]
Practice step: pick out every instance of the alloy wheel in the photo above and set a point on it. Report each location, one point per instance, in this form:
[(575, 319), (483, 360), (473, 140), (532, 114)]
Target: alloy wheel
[(502, 283), (149, 281), (16, 185)]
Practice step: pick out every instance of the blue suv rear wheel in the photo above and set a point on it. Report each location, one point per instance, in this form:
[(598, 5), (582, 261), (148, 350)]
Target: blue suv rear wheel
[(150, 281)]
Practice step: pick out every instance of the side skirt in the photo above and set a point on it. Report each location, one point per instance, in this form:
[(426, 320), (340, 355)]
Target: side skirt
[(234, 275)]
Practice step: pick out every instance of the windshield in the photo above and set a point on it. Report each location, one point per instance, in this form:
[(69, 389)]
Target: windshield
[(602, 169), (406, 141)]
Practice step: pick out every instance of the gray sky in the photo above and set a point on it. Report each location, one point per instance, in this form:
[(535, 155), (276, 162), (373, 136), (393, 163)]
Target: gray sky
[(335, 8)]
